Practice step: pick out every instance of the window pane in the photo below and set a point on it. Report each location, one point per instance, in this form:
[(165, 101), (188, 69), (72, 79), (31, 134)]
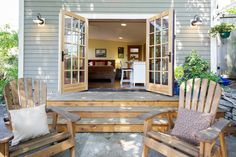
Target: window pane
[(67, 77), (165, 78), (151, 77), (151, 42), (81, 64), (67, 36), (165, 22), (158, 37), (67, 56), (165, 64), (76, 24), (158, 51), (75, 77), (68, 22), (82, 26), (151, 64), (81, 76), (151, 26), (74, 63), (82, 39), (158, 25), (75, 37), (151, 52), (82, 51), (165, 51), (165, 36), (157, 78), (158, 64)]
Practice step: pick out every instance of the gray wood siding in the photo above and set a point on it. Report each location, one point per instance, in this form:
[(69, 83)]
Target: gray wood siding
[(41, 43)]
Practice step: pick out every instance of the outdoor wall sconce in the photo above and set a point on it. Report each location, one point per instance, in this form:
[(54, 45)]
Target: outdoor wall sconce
[(196, 21), (40, 21)]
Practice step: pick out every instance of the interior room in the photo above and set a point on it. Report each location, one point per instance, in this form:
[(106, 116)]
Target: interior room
[(115, 45)]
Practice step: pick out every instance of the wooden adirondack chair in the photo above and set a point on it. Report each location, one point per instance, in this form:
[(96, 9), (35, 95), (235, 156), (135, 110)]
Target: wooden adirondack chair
[(198, 95), (25, 96)]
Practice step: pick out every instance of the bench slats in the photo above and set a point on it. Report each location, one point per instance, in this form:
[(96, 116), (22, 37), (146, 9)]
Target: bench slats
[(37, 143)]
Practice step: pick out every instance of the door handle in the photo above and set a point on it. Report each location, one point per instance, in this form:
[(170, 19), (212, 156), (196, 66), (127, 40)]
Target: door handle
[(63, 55), (169, 55)]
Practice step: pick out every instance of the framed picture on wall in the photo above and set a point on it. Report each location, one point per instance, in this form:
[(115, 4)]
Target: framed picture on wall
[(101, 53), (121, 52)]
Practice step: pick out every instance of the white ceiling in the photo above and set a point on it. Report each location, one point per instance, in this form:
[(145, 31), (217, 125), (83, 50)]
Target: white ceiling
[(134, 32)]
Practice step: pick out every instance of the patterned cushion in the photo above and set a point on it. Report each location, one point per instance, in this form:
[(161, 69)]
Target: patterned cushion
[(189, 122)]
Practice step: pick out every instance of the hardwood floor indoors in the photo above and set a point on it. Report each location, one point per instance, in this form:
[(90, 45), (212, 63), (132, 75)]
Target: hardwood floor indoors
[(105, 85)]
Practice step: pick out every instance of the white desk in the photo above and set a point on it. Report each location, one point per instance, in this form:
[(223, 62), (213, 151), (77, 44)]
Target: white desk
[(139, 73)]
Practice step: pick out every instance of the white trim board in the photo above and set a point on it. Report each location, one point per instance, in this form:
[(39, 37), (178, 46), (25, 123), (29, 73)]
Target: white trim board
[(21, 40), (115, 16)]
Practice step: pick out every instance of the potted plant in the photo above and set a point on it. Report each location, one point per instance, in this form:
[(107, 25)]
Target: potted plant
[(194, 67), (222, 29)]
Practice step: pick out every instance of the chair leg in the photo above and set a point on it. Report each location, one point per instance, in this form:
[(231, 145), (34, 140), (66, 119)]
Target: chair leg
[(4, 150), (72, 152), (145, 151), (122, 77), (223, 145)]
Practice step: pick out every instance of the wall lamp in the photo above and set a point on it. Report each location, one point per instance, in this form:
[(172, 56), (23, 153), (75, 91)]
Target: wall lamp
[(196, 21), (39, 20)]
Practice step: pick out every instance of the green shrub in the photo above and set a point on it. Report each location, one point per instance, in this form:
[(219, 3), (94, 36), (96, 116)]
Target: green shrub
[(179, 72), (8, 60), (195, 67)]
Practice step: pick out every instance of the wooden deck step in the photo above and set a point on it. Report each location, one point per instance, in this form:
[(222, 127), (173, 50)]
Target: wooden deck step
[(114, 118), (112, 125), (110, 111), (124, 103)]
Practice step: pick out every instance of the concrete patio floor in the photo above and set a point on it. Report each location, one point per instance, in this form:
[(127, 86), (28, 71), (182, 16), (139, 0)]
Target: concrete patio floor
[(120, 145)]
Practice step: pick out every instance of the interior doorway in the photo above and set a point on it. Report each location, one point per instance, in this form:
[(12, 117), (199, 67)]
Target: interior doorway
[(121, 43)]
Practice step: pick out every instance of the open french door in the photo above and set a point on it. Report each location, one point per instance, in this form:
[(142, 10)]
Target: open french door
[(73, 38), (160, 53)]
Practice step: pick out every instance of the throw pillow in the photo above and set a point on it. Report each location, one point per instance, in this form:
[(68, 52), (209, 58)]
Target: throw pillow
[(109, 63), (90, 63), (189, 122), (28, 123)]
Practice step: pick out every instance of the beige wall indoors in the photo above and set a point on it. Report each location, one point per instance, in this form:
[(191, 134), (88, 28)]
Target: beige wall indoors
[(111, 47)]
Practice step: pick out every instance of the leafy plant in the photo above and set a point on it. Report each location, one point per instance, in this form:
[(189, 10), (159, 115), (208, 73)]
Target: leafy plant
[(231, 10), (8, 57), (179, 72), (195, 67), (221, 28)]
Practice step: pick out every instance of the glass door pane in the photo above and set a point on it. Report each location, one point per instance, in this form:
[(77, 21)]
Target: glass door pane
[(160, 50), (73, 48)]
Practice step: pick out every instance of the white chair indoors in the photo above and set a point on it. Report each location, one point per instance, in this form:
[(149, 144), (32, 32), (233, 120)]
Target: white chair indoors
[(126, 71)]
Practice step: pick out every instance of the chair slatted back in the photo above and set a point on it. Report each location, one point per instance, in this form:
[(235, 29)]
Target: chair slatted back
[(200, 95), (25, 93)]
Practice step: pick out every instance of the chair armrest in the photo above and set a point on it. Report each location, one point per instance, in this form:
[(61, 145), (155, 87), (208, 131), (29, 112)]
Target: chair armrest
[(5, 134), (210, 134), (155, 113), (64, 114)]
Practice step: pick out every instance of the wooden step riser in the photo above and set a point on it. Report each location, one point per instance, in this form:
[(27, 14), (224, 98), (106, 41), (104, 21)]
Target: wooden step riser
[(121, 114), (113, 103), (108, 114), (112, 127)]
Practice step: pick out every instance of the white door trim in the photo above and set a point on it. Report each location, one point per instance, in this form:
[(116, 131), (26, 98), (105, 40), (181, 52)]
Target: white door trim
[(21, 40)]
